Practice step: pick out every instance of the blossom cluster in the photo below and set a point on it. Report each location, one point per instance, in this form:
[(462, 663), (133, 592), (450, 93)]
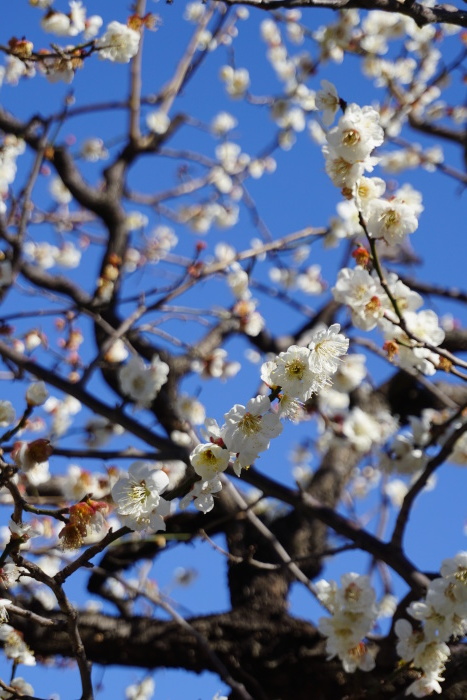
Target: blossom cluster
[(119, 43), (141, 382), (374, 297), (293, 376), (354, 612), (370, 306), (441, 616)]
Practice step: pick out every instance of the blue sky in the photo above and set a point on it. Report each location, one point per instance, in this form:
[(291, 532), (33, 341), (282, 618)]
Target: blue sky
[(299, 194)]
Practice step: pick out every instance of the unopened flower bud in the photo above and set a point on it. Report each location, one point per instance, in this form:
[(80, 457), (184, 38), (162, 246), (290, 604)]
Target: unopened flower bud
[(36, 394)]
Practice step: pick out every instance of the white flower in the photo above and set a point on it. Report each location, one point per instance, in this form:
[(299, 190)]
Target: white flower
[(361, 429), (396, 490), (367, 189), (194, 11), (4, 603), (37, 394), (7, 413), (56, 23), (14, 647), (342, 172), (201, 494), (138, 497), (354, 612), (248, 429), (350, 373), (311, 281), (209, 459), (291, 370), (119, 43), (238, 282), (61, 412), (141, 691), (43, 254), (32, 458), (141, 382), (20, 685), (391, 220), (356, 594), (222, 123), (359, 290), (191, 409), (327, 345), (426, 685), (236, 81), (92, 26), (327, 100), (117, 352), (135, 220), (357, 134), (59, 191), (77, 16), (455, 567), (93, 150), (158, 122)]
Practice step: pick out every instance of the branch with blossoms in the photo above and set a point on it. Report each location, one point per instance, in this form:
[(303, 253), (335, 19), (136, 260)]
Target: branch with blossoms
[(420, 13), (190, 477)]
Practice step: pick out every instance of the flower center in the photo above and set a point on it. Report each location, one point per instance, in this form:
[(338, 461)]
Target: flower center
[(250, 424), (139, 492), (209, 458), (352, 592), (391, 218), (295, 369), (350, 137)]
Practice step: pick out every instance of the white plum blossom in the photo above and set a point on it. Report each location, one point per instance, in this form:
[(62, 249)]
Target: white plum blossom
[(158, 121), (327, 345), (59, 191), (222, 123), (390, 219), (236, 80), (217, 366), (441, 616), (361, 429), (363, 293), (291, 370), (191, 409), (92, 26), (201, 494), (327, 100), (350, 373), (138, 497), (249, 429), (21, 687), (357, 134), (61, 412), (93, 150), (142, 382), (68, 256), (37, 394), (14, 646), (141, 691), (354, 612), (209, 459), (7, 413), (32, 459), (56, 23), (342, 172), (119, 43), (424, 325)]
